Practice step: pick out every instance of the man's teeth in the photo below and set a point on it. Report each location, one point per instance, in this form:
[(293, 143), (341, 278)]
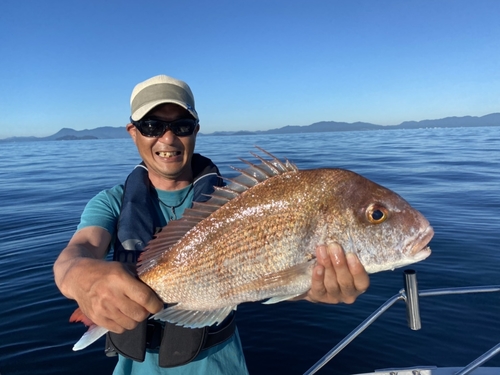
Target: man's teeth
[(167, 154)]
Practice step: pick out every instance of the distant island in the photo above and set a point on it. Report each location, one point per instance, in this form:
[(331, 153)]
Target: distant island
[(108, 132)]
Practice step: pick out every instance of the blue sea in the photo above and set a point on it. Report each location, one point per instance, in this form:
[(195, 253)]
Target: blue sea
[(451, 175)]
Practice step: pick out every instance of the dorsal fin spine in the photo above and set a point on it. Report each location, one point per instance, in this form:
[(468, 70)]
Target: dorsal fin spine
[(247, 174), (271, 166), (259, 173), (218, 188), (236, 182), (284, 167)]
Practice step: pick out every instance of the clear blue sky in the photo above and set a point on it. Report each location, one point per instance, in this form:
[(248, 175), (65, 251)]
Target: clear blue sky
[(252, 64)]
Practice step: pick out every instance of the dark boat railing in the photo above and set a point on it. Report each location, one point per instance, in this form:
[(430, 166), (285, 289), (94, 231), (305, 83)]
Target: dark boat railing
[(410, 295)]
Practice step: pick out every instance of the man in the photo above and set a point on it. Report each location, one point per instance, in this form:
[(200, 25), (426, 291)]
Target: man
[(164, 125)]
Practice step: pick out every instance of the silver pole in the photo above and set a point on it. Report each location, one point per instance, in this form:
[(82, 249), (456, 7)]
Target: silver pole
[(355, 333), (412, 302)]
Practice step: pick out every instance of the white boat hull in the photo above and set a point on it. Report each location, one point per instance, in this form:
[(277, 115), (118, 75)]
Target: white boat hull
[(425, 370)]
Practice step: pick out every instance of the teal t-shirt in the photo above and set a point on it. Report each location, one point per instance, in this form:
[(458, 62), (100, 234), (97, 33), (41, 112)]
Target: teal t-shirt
[(104, 209), (224, 359)]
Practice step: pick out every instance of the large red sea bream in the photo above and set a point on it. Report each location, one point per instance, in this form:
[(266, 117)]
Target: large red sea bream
[(255, 240)]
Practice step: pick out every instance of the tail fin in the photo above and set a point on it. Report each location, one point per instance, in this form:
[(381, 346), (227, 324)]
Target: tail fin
[(94, 332), (79, 316)]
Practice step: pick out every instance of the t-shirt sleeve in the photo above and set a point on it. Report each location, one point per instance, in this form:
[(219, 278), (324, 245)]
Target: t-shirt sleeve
[(103, 210)]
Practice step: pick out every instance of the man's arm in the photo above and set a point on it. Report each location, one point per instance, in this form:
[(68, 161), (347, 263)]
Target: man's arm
[(337, 278), (107, 293)]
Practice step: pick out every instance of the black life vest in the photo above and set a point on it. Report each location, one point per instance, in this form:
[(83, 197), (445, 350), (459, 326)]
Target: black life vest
[(137, 224)]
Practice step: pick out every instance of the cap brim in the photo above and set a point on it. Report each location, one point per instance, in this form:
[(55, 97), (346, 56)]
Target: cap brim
[(142, 111)]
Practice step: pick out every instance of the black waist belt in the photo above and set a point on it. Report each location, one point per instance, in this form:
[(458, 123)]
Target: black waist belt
[(219, 335)]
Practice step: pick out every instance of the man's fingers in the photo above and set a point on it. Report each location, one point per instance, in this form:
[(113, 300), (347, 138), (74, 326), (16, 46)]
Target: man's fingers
[(318, 289), (130, 302), (360, 277), (323, 284), (343, 280), (144, 297), (337, 277)]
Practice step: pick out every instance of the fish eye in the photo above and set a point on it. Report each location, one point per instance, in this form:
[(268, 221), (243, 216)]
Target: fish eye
[(376, 214)]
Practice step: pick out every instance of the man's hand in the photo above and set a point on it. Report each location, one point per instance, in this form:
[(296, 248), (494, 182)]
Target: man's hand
[(337, 278), (112, 297), (108, 293)]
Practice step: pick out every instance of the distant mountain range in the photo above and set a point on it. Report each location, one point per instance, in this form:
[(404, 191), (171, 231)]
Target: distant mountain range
[(108, 132), (67, 134)]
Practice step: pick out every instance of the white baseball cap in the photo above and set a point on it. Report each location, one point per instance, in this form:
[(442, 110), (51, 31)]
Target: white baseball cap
[(158, 90)]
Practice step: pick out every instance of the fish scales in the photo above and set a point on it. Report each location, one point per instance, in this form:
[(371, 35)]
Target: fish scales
[(251, 237)]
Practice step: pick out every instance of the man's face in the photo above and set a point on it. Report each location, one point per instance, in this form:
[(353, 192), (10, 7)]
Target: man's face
[(168, 158)]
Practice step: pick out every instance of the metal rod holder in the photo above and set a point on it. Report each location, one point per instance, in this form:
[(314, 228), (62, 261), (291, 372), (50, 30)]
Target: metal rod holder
[(411, 299)]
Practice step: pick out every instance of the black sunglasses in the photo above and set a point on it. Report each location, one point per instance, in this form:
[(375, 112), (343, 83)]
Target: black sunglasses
[(155, 128)]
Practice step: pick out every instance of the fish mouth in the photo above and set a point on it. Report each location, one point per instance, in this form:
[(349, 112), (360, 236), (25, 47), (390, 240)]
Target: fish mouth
[(420, 250)]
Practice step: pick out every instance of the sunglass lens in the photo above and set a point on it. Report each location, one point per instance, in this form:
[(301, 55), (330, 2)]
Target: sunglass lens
[(152, 128), (183, 127)]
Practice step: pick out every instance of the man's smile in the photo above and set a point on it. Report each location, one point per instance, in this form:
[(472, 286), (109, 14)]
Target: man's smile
[(168, 154)]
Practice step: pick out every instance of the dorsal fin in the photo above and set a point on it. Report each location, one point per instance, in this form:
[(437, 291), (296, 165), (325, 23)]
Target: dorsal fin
[(175, 230)]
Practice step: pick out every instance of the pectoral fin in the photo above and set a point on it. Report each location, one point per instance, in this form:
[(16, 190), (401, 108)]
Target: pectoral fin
[(193, 318), (277, 299)]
